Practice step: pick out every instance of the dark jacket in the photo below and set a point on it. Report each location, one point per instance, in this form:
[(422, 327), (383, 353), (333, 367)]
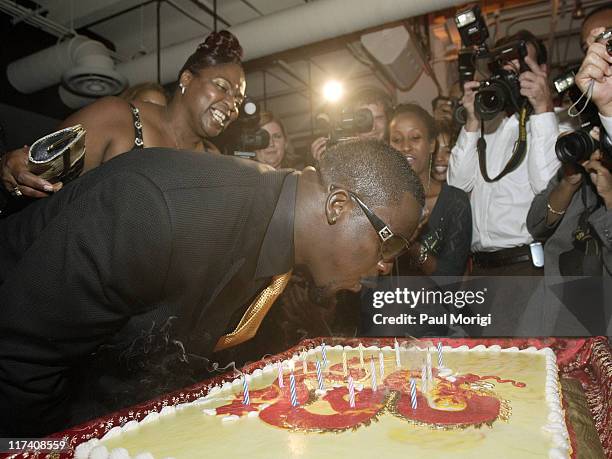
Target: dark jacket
[(177, 233)]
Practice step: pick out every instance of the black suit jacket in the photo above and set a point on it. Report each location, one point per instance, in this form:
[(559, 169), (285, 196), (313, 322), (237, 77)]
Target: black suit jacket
[(154, 230)]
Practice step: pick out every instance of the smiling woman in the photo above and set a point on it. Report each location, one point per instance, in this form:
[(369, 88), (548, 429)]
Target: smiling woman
[(275, 152), (210, 89), (443, 246)]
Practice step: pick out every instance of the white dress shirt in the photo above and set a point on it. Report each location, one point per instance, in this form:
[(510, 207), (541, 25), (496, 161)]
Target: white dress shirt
[(499, 209)]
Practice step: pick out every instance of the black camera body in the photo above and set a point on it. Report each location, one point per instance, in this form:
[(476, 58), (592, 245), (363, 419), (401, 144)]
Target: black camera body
[(575, 147), (345, 123), (501, 91), (245, 136)]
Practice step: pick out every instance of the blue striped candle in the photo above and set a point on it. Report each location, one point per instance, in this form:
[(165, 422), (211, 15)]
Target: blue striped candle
[(319, 375), (440, 361), (281, 383), (294, 400), (381, 364), (324, 355), (413, 395), (246, 400), (351, 389), (373, 371)]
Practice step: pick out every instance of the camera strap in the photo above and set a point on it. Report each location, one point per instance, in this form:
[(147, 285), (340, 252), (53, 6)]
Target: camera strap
[(518, 153)]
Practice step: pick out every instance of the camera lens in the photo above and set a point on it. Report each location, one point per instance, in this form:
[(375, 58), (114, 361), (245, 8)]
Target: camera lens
[(575, 147), (489, 101)]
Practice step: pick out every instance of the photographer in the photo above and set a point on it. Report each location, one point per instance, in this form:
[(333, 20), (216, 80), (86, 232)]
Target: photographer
[(373, 99), (500, 242), (574, 213)]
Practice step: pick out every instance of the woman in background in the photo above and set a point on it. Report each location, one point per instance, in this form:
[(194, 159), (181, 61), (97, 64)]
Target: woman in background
[(275, 153), (444, 244), (442, 154), (211, 88)]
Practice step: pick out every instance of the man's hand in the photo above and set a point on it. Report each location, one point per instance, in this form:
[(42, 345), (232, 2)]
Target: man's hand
[(597, 68), (16, 176), (601, 178), (534, 86), (469, 94), (318, 148)]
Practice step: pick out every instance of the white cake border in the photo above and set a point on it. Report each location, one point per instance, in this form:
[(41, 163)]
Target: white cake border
[(556, 426)]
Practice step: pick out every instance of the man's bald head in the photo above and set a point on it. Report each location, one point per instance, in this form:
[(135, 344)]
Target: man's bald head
[(599, 17)]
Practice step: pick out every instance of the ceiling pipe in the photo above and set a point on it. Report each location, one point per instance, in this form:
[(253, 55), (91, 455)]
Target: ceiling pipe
[(298, 26)]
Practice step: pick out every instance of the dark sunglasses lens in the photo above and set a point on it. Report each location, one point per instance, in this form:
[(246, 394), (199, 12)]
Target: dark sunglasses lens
[(393, 247)]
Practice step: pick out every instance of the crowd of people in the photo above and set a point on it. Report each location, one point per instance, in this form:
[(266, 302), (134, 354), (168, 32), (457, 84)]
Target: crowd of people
[(166, 255)]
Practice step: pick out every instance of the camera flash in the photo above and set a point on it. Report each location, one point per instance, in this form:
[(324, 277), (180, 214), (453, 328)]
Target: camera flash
[(249, 108), (464, 19), (332, 91)]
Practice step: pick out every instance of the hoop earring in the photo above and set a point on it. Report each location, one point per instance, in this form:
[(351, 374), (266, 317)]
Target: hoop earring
[(182, 88)]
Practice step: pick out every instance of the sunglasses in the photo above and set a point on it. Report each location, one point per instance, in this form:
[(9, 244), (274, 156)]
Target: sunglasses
[(391, 245)]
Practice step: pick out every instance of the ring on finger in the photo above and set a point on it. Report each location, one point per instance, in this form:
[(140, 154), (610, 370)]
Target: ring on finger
[(16, 191)]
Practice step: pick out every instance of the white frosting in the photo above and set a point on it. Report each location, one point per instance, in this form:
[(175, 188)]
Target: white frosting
[(82, 451), (119, 453), (560, 448), (230, 418), (98, 452)]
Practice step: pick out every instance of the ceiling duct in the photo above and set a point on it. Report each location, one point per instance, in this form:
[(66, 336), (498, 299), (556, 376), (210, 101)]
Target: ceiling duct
[(302, 25), (397, 55), (82, 65)]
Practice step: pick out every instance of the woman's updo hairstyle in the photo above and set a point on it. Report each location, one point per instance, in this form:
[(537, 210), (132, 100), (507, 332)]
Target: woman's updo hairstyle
[(219, 48)]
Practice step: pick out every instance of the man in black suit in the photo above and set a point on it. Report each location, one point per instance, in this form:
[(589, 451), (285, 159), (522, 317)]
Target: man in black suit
[(188, 236)]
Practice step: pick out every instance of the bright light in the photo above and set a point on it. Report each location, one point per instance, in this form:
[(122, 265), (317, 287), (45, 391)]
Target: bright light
[(332, 91)]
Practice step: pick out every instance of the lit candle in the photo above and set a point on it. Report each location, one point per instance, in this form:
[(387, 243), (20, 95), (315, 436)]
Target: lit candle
[(351, 389), (319, 375), (324, 355), (381, 364), (281, 383), (373, 371), (413, 394), (245, 396), (344, 364), (440, 360), (294, 400), (361, 362), (398, 362)]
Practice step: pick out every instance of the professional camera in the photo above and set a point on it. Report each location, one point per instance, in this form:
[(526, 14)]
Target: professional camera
[(244, 136), (345, 123), (501, 91), (575, 147)]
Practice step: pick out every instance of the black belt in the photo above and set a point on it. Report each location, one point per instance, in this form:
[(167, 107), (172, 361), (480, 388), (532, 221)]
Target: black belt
[(502, 257)]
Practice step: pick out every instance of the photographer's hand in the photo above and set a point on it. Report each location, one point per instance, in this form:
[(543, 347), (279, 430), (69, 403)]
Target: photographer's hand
[(597, 67), (534, 86), (318, 148), (601, 178), (561, 196), (469, 93)]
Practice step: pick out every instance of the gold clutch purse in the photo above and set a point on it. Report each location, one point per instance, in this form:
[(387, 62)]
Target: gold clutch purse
[(59, 156)]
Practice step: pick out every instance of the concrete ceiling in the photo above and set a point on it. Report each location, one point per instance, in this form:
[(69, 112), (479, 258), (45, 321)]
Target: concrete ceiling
[(290, 82)]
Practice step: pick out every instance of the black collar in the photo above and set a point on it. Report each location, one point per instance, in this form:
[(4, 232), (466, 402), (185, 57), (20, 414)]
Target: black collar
[(276, 253)]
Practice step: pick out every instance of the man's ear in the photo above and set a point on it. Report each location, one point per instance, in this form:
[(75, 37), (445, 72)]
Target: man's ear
[(338, 202)]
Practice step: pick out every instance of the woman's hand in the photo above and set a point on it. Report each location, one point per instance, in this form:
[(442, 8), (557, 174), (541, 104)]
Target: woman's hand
[(18, 180)]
